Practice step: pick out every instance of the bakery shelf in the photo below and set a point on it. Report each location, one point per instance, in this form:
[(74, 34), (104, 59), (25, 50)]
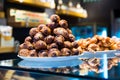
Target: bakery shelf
[(6, 49), (32, 3), (71, 13)]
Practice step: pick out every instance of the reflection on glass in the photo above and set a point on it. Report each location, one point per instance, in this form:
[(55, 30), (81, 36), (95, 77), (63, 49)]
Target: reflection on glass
[(105, 67)]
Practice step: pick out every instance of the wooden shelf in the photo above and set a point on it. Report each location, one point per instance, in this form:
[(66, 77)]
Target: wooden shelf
[(2, 14), (71, 13), (32, 3), (6, 49)]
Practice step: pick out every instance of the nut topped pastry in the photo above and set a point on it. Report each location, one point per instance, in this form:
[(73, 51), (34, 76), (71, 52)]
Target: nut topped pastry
[(98, 43)]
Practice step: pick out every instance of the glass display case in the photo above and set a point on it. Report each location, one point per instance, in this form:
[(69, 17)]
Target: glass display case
[(85, 31), (93, 68)]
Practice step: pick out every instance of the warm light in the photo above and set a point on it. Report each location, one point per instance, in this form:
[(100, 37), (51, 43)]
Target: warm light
[(12, 12), (60, 2), (70, 4), (52, 4), (58, 7), (21, 1), (78, 5)]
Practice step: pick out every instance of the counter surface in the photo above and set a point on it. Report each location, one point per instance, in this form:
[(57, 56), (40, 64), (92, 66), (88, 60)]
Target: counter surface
[(92, 68)]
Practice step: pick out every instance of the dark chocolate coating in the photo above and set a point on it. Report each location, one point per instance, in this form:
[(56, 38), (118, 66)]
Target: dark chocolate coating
[(23, 52), (46, 30), (43, 53), (59, 40), (33, 53), (26, 45), (66, 52), (67, 44), (63, 23), (38, 36), (71, 37), (53, 45), (75, 51), (28, 38), (52, 25), (49, 39), (61, 31), (69, 31), (40, 45), (55, 18), (75, 44), (33, 31), (41, 26), (54, 52)]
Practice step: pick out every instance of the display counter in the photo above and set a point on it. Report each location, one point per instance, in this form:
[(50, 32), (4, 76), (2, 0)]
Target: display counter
[(92, 68)]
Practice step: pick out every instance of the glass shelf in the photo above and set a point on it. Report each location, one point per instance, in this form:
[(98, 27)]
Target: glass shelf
[(78, 68)]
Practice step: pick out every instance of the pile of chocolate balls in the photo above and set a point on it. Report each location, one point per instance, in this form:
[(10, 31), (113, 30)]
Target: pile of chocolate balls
[(50, 40)]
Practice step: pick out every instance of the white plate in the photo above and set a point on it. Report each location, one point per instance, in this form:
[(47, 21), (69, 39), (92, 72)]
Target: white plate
[(47, 64), (99, 54), (41, 59)]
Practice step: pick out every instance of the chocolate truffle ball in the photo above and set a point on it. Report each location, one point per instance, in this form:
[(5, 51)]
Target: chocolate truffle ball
[(46, 30), (66, 52), (53, 45), (69, 31), (49, 39), (28, 38), (26, 45), (33, 53), (71, 37), (75, 51), (43, 53), (59, 40), (40, 45), (38, 36), (63, 23), (24, 52), (52, 25), (61, 31), (33, 31), (67, 44), (54, 52), (55, 18), (41, 26), (75, 44)]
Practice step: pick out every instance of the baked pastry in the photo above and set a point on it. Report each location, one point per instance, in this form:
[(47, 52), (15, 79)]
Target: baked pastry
[(28, 38), (67, 44), (52, 25), (61, 31), (55, 18), (39, 45), (43, 53), (75, 44), (71, 37), (69, 31), (26, 45), (66, 52), (38, 36), (59, 40), (33, 31), (45, 30), (75, 51), (54, 52), (63, 23), (53, 45), (32, 53), (23, 52), (49, 39)]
